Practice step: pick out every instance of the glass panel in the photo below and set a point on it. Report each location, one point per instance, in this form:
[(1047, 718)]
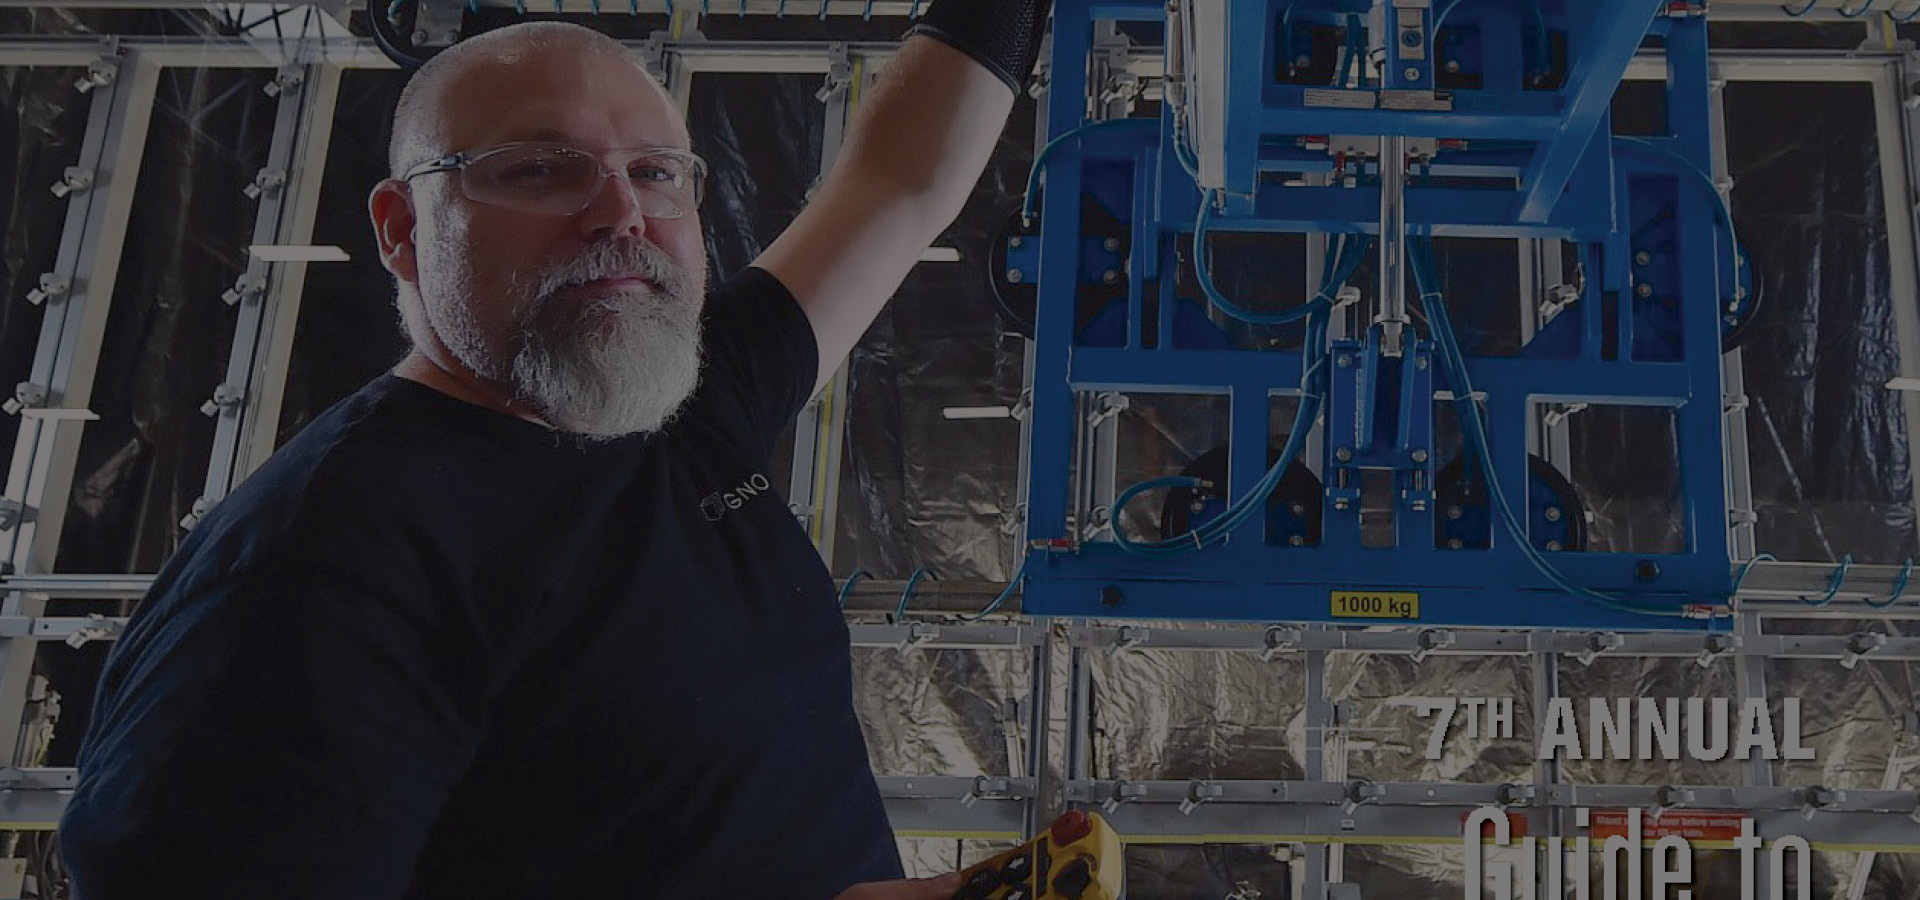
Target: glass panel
[(1828, 444), (44, 122), (168, 334), (348, 331)]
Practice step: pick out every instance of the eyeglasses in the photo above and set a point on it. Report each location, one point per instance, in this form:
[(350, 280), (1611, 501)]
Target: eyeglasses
[(555, 179)]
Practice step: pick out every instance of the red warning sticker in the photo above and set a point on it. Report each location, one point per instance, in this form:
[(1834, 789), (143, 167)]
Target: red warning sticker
[(1691, 824)]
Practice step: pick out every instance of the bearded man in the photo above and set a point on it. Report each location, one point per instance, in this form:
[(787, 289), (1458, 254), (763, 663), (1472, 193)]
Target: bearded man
[(476, 632)]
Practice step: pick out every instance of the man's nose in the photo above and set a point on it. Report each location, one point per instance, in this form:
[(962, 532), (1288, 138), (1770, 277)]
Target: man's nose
[(614, 210)]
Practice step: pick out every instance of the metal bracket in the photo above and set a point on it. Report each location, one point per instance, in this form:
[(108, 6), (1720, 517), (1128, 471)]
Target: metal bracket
[(1129, 637), (1518, 794), (26, 395), (1718, 645), (1200, 792), (1099, 519), (1669, 797), (201, 506), (1597, 643), (984, 786), (1432, 639), (1819, 798), (287, 80), (1559, 297), (1860, 645), (1111, 404), (73, 180), (267, 181), (14, 513), (226, 397), (100, 73), (1042, 71), (1279, 639), (98, 628), (917, 634), (1560, 412), (653, 55), (1123, 792), (839, 73), (437, 23), (1022, 406), (1362, 791), (249, 287), (1011, 521), (52, 287)]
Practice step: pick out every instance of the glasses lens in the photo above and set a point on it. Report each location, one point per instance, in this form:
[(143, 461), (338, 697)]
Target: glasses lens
[(536, 179), (668, 184)]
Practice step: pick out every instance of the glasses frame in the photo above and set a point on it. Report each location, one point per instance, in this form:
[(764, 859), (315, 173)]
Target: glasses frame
[(458, 162)]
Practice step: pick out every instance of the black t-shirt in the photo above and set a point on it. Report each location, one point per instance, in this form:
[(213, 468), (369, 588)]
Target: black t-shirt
[(431, 651)]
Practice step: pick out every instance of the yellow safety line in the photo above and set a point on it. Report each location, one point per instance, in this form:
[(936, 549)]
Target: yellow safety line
[(964, 835)]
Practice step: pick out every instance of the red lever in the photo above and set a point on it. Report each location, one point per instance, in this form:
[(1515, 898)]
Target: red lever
[(1071, 826)]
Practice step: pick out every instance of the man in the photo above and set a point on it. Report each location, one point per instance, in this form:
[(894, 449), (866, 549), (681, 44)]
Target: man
[(481, 631)]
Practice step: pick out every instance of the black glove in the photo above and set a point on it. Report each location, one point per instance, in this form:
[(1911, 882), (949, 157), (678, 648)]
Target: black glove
[(1003, 35)]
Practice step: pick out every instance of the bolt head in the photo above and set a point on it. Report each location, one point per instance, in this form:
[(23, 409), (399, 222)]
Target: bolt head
[(1110, 276), (1455, 512), (1343, 454), (1453, 65), (1644, 290), (1297, 509), (1112, 244), (1456, 544), (1343, 361), (1016, 276), (1297, 541), (1016, 242), (1553, 545), (1642, 258), (1419, 454), (1411, 74), (1553, 513)]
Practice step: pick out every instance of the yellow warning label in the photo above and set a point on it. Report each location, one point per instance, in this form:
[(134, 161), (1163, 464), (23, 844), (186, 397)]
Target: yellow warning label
[(1376, 605)]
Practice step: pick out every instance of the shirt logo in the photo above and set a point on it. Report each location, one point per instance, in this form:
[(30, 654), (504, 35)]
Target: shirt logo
[(715, 505)]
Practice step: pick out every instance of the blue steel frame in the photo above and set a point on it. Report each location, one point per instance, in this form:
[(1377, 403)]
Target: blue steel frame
[(1551, 172)]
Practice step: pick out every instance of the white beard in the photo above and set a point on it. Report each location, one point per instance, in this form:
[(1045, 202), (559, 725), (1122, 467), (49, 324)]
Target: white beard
[(603, 367)]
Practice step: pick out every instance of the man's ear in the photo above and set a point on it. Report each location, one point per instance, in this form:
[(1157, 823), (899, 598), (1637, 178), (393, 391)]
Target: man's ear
[(390, 206)]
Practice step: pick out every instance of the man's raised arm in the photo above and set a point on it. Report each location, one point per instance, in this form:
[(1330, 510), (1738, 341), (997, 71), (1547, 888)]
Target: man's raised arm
[(918, 144)]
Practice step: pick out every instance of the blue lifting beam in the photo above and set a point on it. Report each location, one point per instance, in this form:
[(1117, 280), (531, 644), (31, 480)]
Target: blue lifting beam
[(1378, 130)]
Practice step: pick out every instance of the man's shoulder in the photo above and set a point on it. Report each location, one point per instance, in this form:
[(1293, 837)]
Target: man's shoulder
[(363, 470)]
